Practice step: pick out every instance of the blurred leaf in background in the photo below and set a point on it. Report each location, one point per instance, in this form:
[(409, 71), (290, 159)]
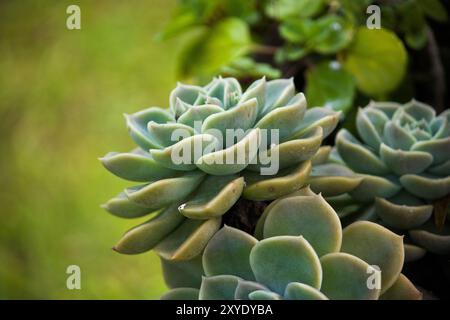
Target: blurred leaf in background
[(298, 37), (62, 95)]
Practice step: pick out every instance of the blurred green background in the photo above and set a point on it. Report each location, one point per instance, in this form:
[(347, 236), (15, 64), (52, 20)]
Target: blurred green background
[(62, 95)]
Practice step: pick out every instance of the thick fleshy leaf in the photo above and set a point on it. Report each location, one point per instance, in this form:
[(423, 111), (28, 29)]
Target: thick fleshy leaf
[(397, 137), (122, 207), (346, 277), (188, 240), (261, 188), (146, 236), (256, 90), (233, 159), (291, 152), (227, 90), (278, 261), (370, 123), (244, 288), (413, 253), (344, 205), (161, 193), (442, 169), (402, 289), (377, 246), (432, 239), (215, 196), (403, 162), (183, 155), (181, 294), (314, 117), (259, 229), (402, 216), (372, 187), (135, 166), (321, 155), (242, 116), (301, 291), (186, 93), (227, 253), (197, 114), (264, 295), (357, 156), (419, 110), (137, 126), (278, 93), (308, 216), (183, 273), (426, 186), (388, 108), (333, 179), (284, 119), (439, 148), (167, 134), (220, 287)]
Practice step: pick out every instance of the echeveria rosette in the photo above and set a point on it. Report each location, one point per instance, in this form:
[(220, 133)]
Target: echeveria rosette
[(302, 254), (403, 162), (189, 199)]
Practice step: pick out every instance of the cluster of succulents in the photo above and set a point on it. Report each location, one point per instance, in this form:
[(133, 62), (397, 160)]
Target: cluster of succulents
[(303, 254), (190, 198), (398, 174), (298, 249)]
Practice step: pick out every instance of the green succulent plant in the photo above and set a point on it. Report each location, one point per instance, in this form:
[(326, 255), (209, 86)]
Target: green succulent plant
[(302, 254), (399, 171), (189, 199)]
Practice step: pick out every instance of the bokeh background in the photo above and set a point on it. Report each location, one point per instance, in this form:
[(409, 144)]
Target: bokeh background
[(62, 95)]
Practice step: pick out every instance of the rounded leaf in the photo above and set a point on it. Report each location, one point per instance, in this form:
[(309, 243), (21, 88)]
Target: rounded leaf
[(308, 216), (380, 54), (221, 287), (403, 162), (402, 216), (181, 294), (402, 289), (228, 253), (426, 186), (346, 277), (182, 273), (278, 261), (377, 246), (301, 291)]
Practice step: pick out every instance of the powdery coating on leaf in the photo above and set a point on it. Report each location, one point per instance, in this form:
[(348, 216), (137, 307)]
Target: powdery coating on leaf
[(205, 185)]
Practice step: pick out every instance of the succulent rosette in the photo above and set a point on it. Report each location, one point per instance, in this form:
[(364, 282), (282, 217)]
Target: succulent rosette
[(302, 254), (189, 198), (399, 171)]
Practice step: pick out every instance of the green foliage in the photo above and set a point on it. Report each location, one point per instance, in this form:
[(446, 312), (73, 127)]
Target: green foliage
[(312, 33)]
